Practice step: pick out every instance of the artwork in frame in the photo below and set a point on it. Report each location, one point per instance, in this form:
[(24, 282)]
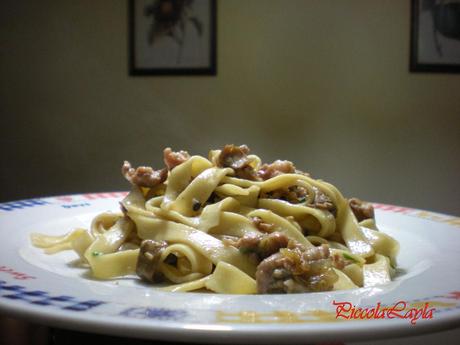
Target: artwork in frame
[(172, 37), (435, 36)]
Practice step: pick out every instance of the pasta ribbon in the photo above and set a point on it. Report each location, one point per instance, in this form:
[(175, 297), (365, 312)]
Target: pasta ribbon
[(378, 272), (207, 245), (229, 279), (190, 265)]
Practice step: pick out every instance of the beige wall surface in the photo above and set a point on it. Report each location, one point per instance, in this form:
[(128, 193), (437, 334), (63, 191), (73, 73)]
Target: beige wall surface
[(322, 83)]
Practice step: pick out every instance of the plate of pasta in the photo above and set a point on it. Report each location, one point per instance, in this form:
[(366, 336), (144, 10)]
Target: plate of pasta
[(227, 247)]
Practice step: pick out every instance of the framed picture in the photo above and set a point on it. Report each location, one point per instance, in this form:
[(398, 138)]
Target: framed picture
[(172, 37), (435, 36)]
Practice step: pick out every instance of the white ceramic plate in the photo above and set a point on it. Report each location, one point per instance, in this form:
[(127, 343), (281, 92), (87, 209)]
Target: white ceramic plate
[(49, 290)]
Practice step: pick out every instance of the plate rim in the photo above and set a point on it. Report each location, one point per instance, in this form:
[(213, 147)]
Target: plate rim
[(244, 332)]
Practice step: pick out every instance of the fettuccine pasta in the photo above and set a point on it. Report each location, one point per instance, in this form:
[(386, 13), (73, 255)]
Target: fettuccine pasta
[(231, 224)]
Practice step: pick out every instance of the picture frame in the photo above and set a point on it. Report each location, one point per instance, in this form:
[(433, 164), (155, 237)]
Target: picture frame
[(435, 36), (172, 37)]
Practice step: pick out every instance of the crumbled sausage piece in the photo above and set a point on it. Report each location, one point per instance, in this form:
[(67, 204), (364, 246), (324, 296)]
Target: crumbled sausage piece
[(143, 176), (362, 210), (248, 243), (149, 259), (278, 167), (338, 261), (263, 245), (261, 225), (173, 159), (247, 172)]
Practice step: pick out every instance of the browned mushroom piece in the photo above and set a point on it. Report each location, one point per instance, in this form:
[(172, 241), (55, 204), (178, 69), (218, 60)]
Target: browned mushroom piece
[(149, 259), (361, 209), (293, 194), (296, 269), (236, 157), (323, 202)]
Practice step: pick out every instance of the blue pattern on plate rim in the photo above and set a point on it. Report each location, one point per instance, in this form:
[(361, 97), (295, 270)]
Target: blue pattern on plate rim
[(18, 205), (155, 313), (43, 298)]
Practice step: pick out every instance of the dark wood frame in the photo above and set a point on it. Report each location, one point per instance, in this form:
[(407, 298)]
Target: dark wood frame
[(414, 64), (210, 70)]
